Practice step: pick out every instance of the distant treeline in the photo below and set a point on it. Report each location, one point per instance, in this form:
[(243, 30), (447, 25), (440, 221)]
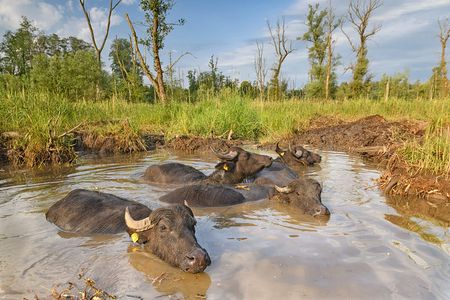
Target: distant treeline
[(32, 60)]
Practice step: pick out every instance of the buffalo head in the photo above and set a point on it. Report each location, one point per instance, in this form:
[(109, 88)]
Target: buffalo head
[(304, 194), (238, 164), (297, 154), (169, 232)]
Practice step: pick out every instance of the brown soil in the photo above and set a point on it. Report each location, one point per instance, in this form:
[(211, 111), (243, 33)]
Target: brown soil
[(377, 139), (332, 134), (198, 144)]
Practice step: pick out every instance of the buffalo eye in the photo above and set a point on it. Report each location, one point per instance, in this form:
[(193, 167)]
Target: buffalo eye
[(162, 228)]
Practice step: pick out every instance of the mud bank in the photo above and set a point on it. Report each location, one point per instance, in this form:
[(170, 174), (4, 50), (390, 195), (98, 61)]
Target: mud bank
[(378, 140), (198, 144)]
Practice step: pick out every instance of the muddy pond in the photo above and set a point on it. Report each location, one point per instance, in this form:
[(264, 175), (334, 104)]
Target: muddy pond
[(368, 249)]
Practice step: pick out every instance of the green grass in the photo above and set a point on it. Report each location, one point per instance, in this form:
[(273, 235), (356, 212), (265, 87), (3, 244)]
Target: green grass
[(39, 117)]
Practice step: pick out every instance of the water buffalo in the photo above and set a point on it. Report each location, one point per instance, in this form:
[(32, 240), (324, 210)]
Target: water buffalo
[(236, 166), (169, 232), (297, 155), (301, 193)]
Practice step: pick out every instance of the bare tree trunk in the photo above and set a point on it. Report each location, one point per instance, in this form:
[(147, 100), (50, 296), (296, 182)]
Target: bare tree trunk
[(98, 50), (386, 93), (260, 68), (358, 15), (142, 61), (283, 47), (157, 60), (444, 35)]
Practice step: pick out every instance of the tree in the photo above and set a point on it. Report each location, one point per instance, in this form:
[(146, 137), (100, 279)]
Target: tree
[(52, 45), (282, 47), (358, 15), (444, 35), (158, 28), (260, 68), (127, 75), (17, 49), (99, 49), (315, 22), (76, 44), (121, 57), (74, 75), (331, 24)]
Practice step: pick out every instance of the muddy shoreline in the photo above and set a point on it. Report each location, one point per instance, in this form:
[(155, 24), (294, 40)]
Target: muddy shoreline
[(372, 137)]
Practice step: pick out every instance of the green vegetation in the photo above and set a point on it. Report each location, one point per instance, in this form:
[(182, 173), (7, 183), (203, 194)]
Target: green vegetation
[(44, 120)]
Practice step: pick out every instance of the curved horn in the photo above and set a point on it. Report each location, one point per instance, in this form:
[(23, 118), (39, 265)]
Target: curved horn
[(137, 225), (298, 153), (228, 156), (284, 190), (278, 149)]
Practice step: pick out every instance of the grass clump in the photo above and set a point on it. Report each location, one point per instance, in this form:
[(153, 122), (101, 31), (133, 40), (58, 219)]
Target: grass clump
[(433, 153)]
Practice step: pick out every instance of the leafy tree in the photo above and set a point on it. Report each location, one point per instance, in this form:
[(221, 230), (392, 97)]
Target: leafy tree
[(122, 58), (158, 28), (315, 22), (75, 74), (247, 89), (332, 60), (17, 49), (76, 44)]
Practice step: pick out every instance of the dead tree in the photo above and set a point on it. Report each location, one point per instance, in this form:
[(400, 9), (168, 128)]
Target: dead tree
[(171, 66), (358, 15), (260, 68), (444, 35), (282, 47), (142, 62), (98, 50)]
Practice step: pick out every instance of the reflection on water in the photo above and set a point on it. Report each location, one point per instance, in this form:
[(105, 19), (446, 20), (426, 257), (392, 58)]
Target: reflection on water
[(168, 280), (371, 247)]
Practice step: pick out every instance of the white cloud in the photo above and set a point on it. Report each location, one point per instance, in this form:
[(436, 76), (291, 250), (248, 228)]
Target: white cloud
[(43, 14), (77, 26), (128, 2), (409, 7), (241, 56)]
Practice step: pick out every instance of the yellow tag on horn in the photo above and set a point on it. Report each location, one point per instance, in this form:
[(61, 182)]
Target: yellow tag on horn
[(135, 237), (282, 154), (225, 167)]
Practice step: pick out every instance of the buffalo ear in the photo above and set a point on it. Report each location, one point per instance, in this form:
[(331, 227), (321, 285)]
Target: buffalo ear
[(226, 166)]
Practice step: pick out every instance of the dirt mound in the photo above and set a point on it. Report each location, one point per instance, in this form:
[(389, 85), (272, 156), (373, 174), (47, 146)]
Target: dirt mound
[(198, 144), (371, 131), (378, 139)]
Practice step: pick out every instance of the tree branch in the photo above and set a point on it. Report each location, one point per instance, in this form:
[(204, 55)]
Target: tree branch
[(143, 64)]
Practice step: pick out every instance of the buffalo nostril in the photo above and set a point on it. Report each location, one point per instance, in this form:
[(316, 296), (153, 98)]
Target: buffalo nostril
[(198, 258), (321, 211)]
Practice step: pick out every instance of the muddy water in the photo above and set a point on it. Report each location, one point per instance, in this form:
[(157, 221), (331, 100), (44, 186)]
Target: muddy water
[(259, 250)]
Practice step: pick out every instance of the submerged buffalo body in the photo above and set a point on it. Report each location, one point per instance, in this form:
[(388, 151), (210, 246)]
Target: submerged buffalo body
[(235, 166), (168, 232), (303, 194)]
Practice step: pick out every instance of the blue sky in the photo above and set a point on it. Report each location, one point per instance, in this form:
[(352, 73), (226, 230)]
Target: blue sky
[(228, 29)]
